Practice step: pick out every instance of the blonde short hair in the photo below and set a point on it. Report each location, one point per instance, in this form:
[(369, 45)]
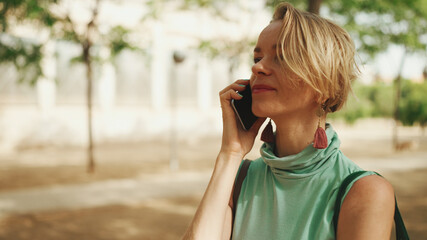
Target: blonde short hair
[(317, 51)]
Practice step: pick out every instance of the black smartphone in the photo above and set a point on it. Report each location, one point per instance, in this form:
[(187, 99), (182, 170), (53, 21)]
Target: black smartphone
[(243, 108)]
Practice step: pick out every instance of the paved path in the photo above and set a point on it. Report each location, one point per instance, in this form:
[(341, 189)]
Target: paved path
[(124, 191), (134, 191), (398, 162)]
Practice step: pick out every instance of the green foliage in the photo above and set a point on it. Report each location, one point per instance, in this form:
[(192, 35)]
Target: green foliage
[(376, 24), (357, 106), (155, 9), (413, 106), (298, 4), (21, 10), (36, 10), (199, 3), (353, 110), (377, 100), (226, 48), (5, 8), (117, 40), (209, 48), (24, 55), (381, 97)]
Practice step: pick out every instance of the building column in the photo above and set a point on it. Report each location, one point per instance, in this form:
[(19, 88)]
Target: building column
[(204, 84), (106, 89), (160, 65), (46, 86)]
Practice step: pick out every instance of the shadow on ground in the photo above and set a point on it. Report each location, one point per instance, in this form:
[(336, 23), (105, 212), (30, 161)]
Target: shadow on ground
[(167, 217)]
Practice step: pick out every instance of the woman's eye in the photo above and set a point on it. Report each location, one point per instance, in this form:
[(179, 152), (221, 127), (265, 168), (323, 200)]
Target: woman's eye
[(257, 60)]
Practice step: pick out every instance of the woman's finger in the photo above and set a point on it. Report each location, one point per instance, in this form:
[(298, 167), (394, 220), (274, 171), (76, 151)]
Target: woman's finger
[(230, 94), (238, 85), (226, 97)]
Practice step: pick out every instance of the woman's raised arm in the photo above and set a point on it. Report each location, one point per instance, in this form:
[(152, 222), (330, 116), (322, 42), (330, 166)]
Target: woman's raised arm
[(213, 216)]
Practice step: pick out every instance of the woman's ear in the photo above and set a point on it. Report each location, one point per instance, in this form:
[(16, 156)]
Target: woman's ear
[(331, 105), (319, 98)]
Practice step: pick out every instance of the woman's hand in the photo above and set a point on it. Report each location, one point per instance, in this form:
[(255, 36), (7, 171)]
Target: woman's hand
[(235, 140), (213, 217)]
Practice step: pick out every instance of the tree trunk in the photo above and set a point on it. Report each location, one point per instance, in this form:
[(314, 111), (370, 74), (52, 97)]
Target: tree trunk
[(88, 63), (398, 86), (87, 45), (314, 6)]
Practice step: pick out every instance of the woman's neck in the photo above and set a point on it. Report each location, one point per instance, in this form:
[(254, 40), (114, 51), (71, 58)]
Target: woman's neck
[(293, 134)]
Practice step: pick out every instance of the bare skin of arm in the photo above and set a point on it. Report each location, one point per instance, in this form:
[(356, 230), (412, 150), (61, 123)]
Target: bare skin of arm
[(367, 211), (213, 216)]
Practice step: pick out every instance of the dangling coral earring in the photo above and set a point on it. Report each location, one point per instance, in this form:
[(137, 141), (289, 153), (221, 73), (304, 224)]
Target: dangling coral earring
[(320, 138), (267, 134)]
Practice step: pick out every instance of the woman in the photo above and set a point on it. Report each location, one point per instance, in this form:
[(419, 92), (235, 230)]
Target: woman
[(303, 67)]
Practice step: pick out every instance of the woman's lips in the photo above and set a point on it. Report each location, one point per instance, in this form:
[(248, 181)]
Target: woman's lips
[(261, 88)]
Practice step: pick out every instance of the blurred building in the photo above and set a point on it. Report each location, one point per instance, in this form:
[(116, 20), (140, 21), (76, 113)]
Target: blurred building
[(134, 93)]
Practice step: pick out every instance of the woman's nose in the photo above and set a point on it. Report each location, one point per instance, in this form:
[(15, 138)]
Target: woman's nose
[(260, 68)]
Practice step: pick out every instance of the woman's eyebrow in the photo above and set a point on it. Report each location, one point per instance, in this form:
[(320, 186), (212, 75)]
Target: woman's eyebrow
[(258, 49)]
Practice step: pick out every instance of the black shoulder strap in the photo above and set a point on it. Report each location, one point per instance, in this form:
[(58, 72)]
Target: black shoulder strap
[(238, 186), (401, 233), (341, 193)]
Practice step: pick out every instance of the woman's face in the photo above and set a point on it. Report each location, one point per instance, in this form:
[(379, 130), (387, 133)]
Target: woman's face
[(273, 95)]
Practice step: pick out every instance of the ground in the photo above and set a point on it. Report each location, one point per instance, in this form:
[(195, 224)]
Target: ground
[(164, 211)]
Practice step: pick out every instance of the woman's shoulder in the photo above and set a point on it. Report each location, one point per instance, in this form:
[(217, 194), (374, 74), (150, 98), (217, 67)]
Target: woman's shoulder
[(368, 209), (256, 164), (372, 189)]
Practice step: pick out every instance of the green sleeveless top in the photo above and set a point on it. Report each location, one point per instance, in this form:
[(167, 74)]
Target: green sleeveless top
[(292, 197)]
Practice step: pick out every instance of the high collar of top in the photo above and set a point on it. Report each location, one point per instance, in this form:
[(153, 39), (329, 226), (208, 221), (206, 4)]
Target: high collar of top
[(305, 163)]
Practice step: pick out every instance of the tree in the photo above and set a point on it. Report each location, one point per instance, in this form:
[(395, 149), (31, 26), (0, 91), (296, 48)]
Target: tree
[(379, 94), (413, 107), (86, 40), (314, 6), (54, 17), (25, 54), (402, 23)]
